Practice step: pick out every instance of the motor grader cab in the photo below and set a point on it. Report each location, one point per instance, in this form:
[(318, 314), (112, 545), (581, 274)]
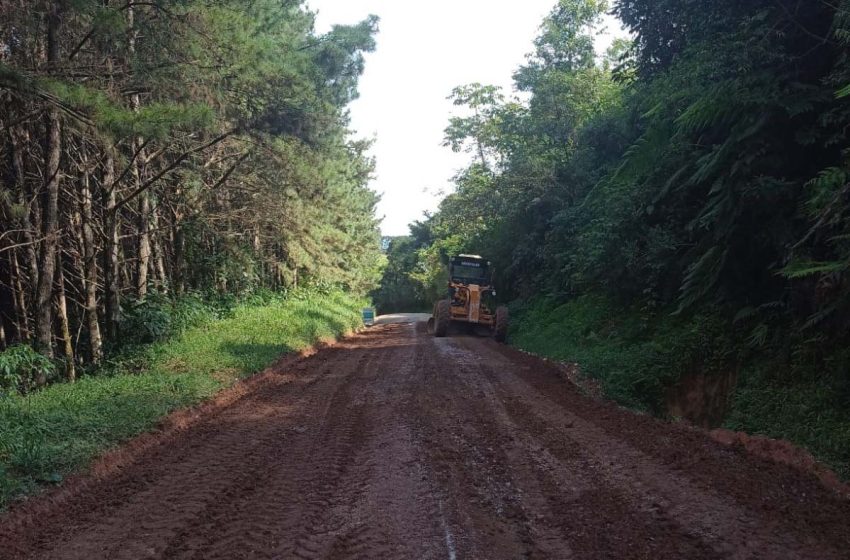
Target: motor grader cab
[(470, 301)]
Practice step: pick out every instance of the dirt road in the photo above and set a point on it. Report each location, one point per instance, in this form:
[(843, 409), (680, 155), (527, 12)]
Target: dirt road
[(392, 444)]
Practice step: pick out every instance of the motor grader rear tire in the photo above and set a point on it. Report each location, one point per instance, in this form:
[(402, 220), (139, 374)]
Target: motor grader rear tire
[(442, 317), (500, 329)]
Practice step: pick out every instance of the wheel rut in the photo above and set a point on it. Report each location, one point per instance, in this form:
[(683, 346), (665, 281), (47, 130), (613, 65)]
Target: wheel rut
[(393, 444)]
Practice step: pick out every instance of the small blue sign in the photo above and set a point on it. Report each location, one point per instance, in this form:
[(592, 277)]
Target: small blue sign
[(368, 316)]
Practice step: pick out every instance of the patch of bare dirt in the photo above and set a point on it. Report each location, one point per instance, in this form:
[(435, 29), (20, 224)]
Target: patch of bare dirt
[(393, 444), (784, 452)]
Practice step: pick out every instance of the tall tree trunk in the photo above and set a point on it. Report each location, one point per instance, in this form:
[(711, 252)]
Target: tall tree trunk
[(50, 220), (5, 311), (144, 251), (179, 256), (90, 266), (64, 324), (17, 137), (22, 317), (144, 240), (126, 269), (111, 267), (158, 257)]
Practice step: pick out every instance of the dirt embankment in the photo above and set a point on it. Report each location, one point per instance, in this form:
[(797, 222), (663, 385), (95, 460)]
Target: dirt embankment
[(393, 444)]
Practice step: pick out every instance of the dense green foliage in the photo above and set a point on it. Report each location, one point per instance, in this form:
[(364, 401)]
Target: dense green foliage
[(694, 181), (398, 290), (51, 432), (153, 149), (20, 366), (635, 354)]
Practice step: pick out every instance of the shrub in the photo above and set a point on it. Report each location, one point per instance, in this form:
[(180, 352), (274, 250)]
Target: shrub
[(21, 367), (147, 320), (191, 311), (159, 317)]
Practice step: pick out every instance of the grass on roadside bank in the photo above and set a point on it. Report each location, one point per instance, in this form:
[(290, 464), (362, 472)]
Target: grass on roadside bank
[(50, 433), (636, 354)]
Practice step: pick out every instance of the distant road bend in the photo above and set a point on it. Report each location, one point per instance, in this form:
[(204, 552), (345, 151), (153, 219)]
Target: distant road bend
[(393, 444)]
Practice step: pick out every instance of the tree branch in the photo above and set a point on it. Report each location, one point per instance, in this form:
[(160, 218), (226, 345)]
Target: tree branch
[(230, 171), (173, 165), (129, 165)]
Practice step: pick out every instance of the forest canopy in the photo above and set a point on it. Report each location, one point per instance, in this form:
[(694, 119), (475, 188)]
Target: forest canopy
[(702, 163), (163, 148)]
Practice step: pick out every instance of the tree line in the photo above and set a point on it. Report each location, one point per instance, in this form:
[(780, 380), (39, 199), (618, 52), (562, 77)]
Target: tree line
[(700, 167), (152, 149)]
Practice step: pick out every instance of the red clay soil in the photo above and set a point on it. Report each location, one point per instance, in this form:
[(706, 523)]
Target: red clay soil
[(781, 451), (393, 444)]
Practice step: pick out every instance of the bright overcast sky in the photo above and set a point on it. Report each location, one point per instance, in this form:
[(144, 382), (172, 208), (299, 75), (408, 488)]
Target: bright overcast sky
[(424, 51)]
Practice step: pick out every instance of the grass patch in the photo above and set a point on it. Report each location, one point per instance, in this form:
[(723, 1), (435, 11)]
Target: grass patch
[(634, 353), (810, 410), (55, 431)]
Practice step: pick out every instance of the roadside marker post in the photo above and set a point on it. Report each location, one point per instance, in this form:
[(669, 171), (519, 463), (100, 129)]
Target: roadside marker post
[(368, 316)]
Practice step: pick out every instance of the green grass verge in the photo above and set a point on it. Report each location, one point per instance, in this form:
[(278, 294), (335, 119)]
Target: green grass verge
[(634, 353), (637, 353), (812, 410), (50, 433)]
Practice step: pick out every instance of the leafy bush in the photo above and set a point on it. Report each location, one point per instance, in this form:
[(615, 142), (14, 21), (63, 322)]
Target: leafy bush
[(806, 404), (264, 296), (21, 367), (147, 320), (805, 413), (158, 316), (191, 311)]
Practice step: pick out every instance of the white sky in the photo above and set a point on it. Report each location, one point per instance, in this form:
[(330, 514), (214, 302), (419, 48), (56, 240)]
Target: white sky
[(425, 49)]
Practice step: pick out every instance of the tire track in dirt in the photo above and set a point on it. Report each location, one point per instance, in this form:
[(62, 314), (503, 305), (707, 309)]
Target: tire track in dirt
[(267, 506), (731, 529), (209, 473), (393, 444), (578, 504), (483, 516), (336, 475), (550, 508), (795, 502)]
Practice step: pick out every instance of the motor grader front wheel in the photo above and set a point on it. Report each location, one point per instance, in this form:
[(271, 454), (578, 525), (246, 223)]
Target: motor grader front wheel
[(500, 328), (442, 317)]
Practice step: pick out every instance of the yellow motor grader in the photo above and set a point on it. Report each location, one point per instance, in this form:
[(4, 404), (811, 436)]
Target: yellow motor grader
[(469, 291)]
